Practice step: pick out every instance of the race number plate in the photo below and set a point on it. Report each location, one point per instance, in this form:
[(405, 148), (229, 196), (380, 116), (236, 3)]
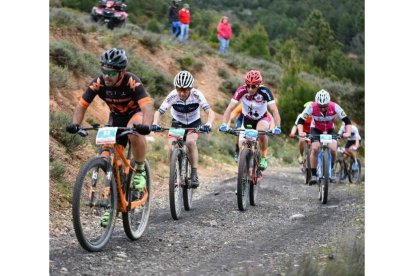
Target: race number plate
[(106, 135), (251, 134), (326, 138), (176, 132)]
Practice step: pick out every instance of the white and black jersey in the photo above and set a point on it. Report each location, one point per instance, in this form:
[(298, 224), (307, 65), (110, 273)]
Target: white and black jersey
[(188, 111)]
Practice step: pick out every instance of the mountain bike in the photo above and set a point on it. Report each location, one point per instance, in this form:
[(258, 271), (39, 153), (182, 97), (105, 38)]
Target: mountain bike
[(180, 190), (104, 187), (306, 168), (249, 175), (347, 166), (339, 172), (324, 164)]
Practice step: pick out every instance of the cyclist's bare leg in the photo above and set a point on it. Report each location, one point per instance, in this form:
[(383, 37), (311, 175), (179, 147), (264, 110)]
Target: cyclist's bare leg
[(192, 149), (332, 146), (314, 154), (263, 126), (138, 143), (301, 146)]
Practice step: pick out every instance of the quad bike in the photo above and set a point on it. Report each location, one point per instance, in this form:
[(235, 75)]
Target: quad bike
[(109, 12)]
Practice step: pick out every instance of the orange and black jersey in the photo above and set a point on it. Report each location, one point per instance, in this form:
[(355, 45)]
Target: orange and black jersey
[(124, 98)]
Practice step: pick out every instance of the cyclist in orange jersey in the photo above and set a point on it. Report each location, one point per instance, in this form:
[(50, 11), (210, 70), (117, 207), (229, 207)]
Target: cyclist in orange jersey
[(129, 103)]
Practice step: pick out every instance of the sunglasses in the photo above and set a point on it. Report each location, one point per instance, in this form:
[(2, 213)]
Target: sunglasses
[(252, 86), (323, 106), (110, 73)]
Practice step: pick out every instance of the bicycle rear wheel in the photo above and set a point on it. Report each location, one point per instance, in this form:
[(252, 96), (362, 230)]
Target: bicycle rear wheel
[(176, 184), (255, 185), (187, 191), (92, 198), (243, 179), (354, 175), (135, 221), (323, 185), (338, 171)]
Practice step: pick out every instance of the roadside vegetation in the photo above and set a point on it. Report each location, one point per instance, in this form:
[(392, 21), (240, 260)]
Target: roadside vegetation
[(296, 62)]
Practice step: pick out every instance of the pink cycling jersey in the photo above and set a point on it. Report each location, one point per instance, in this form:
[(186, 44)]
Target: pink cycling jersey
[(323, 122)]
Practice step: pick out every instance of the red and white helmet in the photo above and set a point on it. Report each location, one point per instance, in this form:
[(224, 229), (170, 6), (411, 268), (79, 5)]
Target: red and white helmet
[(253, 77)]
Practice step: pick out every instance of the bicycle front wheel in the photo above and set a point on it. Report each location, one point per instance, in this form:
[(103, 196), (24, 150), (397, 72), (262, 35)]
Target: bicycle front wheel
[(243, 179), (187, 191), (176, 184), (354, 172), (254, 185), (136, 220), (94, 205), (323, 187)]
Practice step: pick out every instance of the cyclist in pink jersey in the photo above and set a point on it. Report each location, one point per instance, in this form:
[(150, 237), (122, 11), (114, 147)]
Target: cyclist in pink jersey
[(323, 112), (256, 100)]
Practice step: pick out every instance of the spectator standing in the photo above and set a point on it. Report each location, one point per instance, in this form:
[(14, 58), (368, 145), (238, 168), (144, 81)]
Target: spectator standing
[(224, 33), (174, 19), (184, 16)]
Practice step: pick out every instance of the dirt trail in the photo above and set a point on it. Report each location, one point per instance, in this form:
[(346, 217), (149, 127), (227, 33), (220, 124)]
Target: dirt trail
[(215, 238)]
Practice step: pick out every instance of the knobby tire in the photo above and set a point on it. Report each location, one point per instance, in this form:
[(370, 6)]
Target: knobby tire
[(187, 191), (89, 205), (243, 179), (255, 185), (176, 185), (354, 176), (325, 179), (135, 221)]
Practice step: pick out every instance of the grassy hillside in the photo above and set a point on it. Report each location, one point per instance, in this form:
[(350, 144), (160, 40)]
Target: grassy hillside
[(75, 45)]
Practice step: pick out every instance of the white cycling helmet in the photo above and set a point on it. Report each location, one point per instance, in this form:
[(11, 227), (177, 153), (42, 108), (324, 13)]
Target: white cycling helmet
[(184, 79), (322, 97)]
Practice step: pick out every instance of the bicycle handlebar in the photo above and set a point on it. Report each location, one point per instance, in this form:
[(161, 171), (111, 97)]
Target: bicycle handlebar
[(236, 131), (125, 130), (196, 129), (310, 136)]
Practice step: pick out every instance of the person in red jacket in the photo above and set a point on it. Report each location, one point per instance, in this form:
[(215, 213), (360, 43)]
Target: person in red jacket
[(224, 33), (184, 16)]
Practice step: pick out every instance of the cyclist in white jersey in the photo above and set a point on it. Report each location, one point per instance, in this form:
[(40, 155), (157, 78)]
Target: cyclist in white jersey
[(353, 141), (186, 102), (256, 99)]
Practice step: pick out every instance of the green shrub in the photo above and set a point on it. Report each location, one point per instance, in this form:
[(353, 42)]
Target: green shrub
[(222, 72), (150, 41), (230, 85), (57, 129), (154, 26), (188, 63), (61, 17), (58, 76), (155, 82), (89, 65), (56, 170), (185, 63)]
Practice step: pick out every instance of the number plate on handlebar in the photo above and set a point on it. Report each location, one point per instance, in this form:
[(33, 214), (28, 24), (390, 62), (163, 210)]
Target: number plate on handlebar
[(106, 135), (176, 132), (251, 134), (325, 138)]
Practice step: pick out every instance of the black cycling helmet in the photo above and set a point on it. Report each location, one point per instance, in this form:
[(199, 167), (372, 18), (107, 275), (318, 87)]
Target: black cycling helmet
[(114, 58)]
